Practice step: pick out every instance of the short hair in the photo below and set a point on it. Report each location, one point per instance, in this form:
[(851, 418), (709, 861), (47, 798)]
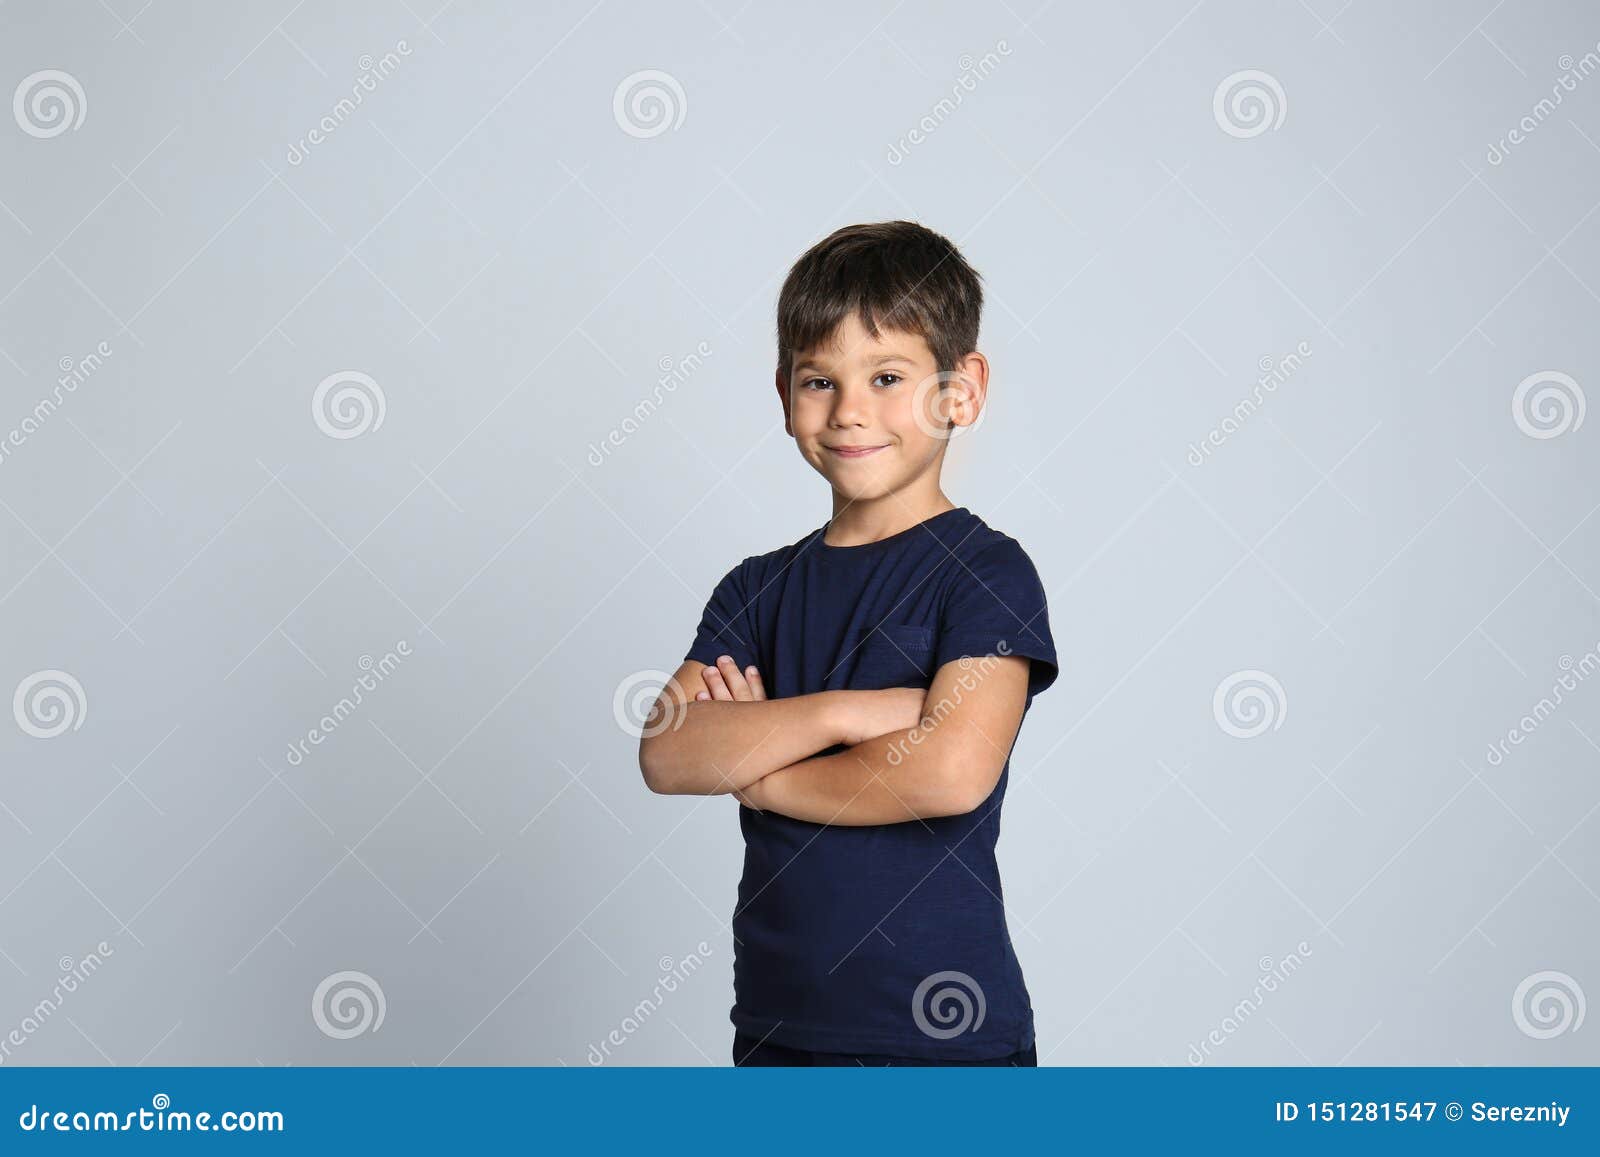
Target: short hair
[(895, 274)]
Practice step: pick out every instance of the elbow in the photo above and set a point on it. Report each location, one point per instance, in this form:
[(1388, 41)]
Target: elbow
[(957, 803), (656, 762), (656, 775), (663, 767), (965, 791)]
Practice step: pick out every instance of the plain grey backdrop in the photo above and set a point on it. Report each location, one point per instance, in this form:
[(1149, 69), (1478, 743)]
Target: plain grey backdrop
[(464, 388)]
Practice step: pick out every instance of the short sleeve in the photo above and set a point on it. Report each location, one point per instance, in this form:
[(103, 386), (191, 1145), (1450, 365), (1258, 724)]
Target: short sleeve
[(998, 607), (725, 624)]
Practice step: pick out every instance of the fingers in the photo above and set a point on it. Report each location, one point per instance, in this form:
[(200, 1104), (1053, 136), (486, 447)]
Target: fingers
[(734, 678), (726, 681), (714, 684)]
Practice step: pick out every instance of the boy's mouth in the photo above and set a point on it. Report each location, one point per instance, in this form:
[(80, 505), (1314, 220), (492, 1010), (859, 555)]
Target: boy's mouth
[(861, 451)]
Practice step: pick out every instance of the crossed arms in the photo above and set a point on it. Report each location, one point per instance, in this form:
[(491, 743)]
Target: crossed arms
[(909, 754)]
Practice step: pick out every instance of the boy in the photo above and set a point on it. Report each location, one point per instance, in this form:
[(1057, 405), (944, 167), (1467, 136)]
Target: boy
[(859, 691)]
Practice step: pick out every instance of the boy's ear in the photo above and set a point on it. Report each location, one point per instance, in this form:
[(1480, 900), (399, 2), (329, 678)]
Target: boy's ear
[(783, 397), (973, 385)]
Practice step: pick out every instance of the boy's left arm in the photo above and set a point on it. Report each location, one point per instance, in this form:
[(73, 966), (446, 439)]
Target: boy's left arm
[(947, 765)]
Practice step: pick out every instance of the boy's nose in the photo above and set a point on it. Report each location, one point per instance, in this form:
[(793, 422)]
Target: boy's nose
[(849, 410)]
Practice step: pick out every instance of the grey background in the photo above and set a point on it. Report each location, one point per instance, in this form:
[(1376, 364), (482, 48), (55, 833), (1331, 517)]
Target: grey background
[(483, 238)]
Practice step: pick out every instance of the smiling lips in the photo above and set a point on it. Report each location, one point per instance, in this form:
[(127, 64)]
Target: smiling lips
[(855, 451)]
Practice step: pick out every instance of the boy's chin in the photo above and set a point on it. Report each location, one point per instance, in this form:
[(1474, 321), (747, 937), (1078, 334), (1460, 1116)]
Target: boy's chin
[(857, 490)]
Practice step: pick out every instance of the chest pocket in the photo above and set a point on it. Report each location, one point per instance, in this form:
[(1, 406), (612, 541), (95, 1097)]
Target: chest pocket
[(894, 655)]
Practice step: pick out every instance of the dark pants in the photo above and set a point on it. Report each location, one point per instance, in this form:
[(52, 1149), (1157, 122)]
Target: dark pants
[(751, 1051)]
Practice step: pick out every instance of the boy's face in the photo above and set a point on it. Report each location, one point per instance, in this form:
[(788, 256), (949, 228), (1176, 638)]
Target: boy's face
[(855, 390)]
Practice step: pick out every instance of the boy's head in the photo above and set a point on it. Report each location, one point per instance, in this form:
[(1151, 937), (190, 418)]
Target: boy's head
[(877, 347)]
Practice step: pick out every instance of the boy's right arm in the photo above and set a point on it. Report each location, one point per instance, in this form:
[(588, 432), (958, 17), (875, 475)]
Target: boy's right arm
[(719, 746)]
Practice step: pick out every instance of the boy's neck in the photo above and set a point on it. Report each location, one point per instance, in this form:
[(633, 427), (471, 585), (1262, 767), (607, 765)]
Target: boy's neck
[(856, 522)]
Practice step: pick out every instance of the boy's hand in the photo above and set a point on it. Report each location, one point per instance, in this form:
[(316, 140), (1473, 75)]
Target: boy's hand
[(724, 680)]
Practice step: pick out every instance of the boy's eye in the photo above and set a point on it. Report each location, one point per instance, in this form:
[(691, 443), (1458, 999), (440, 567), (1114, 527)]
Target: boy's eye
[(824, 383)]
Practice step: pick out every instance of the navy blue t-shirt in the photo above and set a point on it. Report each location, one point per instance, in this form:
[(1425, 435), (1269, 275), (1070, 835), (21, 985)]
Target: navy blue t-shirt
[(889, 938)]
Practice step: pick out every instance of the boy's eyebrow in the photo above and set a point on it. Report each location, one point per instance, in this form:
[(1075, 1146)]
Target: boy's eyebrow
[(877, 361)]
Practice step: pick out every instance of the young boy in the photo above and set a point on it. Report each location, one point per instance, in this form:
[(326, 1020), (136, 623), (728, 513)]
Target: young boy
[(859, 691)]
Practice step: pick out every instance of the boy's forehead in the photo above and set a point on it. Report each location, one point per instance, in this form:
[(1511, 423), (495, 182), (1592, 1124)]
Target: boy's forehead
[(852, 343)]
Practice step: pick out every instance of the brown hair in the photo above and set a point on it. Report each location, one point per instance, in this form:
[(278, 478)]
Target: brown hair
[(894, 274)]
